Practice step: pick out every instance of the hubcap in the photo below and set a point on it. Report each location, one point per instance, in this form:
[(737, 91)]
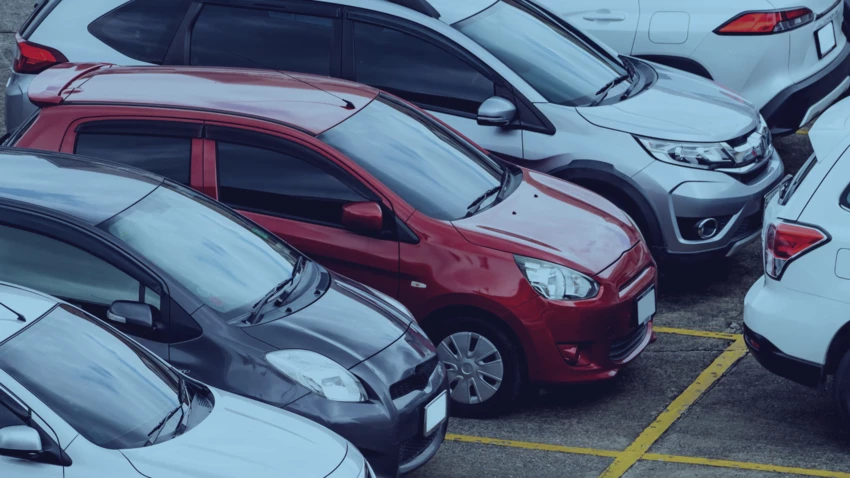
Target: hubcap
[(474, 366)]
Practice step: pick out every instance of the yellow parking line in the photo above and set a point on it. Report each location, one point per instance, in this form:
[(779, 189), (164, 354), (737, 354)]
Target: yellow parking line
[(743, 465), (532, 446), (803, 131), (697, 333), (674, 411)]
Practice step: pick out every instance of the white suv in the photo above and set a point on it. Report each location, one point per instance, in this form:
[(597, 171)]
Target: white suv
[(797, 317), (788, 57)]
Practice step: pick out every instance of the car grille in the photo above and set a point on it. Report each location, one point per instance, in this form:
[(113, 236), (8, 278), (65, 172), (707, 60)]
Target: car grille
[(623, 347), (749, 226), (414, 447), (417, 381)]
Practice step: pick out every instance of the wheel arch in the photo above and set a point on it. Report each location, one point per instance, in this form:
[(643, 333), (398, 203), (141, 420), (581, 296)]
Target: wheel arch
[(837, 348)]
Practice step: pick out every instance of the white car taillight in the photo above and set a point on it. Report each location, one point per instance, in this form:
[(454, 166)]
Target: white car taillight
[(785, 242)]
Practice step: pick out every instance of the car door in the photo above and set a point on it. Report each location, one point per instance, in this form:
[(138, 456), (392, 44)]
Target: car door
[(14, 414), (299, 194), (613, 22)]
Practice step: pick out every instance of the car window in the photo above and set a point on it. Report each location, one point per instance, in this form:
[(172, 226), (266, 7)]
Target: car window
[(416, 157), (141, 29), (254, 38), (226, 261), (551, 59), (166, 156), (102, 384), (417, 70), (273, 182), (60, 269), (8, 418)]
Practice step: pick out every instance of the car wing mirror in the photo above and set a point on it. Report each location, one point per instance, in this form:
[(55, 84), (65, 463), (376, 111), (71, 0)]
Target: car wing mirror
[(131, 313), (19, 440), (363, 217), (496, 111)]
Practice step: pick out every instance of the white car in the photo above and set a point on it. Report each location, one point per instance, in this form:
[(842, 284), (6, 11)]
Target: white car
[(788, 57), (797, 317), (79, 399)]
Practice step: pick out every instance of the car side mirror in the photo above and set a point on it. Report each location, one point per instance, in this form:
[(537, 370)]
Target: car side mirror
[(19, 440), (363, 217), (131, 313), (496, 111)]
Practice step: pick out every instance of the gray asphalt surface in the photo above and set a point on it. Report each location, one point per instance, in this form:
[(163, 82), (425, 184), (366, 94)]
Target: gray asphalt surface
[(749, 416)]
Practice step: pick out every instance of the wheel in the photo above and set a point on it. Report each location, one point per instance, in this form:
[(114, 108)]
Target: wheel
[(841, 389), (483, 365)]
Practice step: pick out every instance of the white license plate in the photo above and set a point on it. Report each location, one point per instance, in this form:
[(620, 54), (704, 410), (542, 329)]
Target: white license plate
[(436, 412), (825, 39), (646, 306)]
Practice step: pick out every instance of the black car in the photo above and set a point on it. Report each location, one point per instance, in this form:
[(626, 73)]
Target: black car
[(223, 300)]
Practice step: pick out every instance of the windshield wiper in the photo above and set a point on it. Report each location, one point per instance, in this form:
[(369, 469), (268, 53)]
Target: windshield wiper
[(476, 204), (632, 74), (605, 89), (276, 293), (158, 428)]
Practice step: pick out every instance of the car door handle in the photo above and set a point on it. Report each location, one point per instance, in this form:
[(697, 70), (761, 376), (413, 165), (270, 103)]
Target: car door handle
[(605, 16)]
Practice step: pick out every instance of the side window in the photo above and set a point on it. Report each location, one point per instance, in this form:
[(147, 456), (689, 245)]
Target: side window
[(166, 156), (266, 181), (8, 418), (417, 70), (277, 40), (62, 270)]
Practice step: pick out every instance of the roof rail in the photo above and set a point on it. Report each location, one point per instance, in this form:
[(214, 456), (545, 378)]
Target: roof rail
[(421, 6)]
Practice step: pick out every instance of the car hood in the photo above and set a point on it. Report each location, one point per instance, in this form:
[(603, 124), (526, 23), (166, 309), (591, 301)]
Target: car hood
[(679, 106), (242, 437), (554, 220), (348, 324)]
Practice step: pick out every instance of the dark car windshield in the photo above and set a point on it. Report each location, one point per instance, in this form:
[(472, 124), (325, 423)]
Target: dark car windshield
[(551, 59), (225, 260), (416, 157), (105, 386)]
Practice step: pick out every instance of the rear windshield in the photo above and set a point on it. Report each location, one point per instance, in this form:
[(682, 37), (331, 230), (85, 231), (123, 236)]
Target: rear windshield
[(141, 29)]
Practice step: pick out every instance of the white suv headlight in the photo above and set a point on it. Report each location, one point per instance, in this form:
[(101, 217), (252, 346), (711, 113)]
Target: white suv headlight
[(556, 282), (319, 374)]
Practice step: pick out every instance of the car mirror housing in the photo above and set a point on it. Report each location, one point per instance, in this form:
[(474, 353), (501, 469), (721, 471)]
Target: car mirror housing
[(363, 217), (19, 439), (496, 111), (131, 313)]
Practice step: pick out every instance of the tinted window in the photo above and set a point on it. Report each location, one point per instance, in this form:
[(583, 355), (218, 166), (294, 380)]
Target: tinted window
[(241, 37), (228, 262), (417, 70), (8, 418), (141, 29), (551, 59), (262, 180), (416, 157), (169, 157), (105, 387)]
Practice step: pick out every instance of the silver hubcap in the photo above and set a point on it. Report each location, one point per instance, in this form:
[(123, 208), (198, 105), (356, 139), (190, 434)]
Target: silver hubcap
[(474, 365)]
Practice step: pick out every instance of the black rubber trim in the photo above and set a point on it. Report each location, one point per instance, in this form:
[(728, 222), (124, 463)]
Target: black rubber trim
[(172, 129), (678, 62), (770, 357)]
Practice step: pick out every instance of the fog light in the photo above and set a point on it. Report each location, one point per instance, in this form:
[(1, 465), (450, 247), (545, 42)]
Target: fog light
[(707, 228), (574, 354)]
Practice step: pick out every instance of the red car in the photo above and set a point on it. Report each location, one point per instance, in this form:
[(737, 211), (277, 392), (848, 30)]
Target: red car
[(517, 276)]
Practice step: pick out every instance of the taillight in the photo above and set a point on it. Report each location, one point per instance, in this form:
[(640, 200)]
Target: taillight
[(35, 58), (765, 23), (785, 242)]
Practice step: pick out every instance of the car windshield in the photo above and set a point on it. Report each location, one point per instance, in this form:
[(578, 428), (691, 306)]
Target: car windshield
[(225, 260), (433, 170), (551, 59), (102, 384)]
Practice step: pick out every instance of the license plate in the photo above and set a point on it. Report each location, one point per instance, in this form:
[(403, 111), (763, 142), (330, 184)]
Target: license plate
[(436, 412), (825, 39), (646, 306)]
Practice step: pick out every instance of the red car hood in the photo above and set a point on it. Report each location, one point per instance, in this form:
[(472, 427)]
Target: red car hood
[(550, 219)]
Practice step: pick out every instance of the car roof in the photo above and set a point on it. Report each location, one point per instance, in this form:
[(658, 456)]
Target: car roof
[(310, 103), (89, 190), (28, 304)]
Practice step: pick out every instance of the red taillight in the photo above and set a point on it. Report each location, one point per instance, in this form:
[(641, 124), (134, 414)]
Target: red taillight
[(765, 23), (785, 242), (35, 58)]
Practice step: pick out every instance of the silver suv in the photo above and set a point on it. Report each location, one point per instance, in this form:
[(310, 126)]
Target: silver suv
[(689, 160)]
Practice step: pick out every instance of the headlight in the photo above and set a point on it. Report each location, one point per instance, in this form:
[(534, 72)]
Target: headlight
[(319, 374), (556, 282)]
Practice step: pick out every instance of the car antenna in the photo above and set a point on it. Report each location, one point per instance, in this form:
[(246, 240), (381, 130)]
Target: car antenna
[(348, 105), (18, 316)]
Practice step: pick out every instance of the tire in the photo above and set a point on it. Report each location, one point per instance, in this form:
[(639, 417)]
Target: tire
[(841, 389), (473, 384)]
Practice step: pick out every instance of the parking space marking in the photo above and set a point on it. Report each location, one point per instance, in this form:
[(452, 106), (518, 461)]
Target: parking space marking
[(676, 409), (742, 465), (697, 333), (803, 131), (532, 446)]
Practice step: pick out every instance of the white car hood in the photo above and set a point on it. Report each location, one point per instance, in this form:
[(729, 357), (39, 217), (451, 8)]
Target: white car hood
[(244, 438), (679, 106)]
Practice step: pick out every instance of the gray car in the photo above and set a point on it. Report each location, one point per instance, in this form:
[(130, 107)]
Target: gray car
[(689, 160)]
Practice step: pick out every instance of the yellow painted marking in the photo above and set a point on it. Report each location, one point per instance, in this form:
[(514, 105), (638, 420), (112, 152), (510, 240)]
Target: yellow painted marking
[(803, 131), (676, 409), (532, 446), (697, 333), (743, 465)]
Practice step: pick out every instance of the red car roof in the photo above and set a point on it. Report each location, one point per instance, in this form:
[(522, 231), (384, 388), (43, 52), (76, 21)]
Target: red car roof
[(309, 102)]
